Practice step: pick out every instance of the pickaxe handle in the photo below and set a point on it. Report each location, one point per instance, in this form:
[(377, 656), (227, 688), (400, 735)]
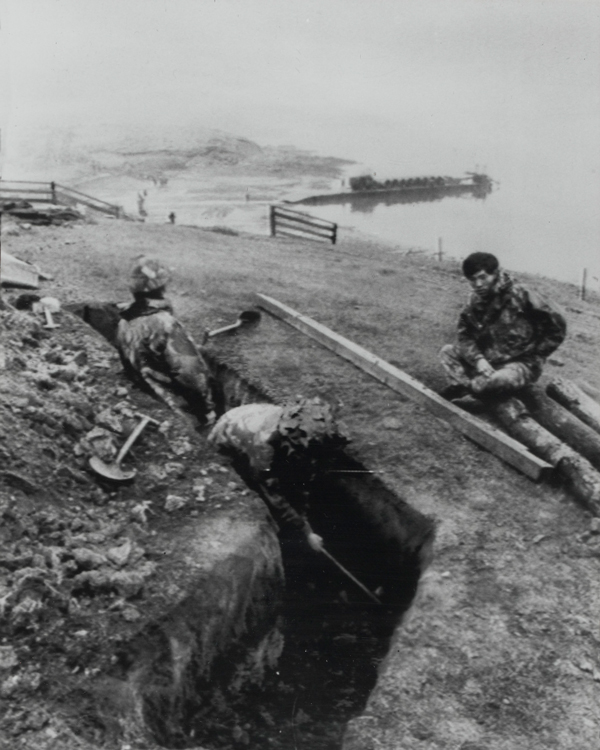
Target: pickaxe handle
[(49, 321), (139, 428)]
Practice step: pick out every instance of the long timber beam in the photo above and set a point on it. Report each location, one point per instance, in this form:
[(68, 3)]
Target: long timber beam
[(509, 450)]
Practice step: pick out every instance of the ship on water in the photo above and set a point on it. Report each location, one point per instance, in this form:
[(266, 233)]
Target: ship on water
[(365, 190)]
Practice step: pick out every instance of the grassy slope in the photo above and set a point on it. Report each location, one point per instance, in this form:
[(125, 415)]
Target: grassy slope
[(505, 617)]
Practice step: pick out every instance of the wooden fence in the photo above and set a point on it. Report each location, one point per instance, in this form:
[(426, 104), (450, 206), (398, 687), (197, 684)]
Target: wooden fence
[(290, 223), (52, 192)]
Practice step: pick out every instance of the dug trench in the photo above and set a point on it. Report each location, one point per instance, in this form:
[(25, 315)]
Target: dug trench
[(320, 637)]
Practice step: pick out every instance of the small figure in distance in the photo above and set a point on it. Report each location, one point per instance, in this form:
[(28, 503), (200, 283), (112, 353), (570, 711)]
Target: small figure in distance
[(505, 334), (155, 347), (172, 217)]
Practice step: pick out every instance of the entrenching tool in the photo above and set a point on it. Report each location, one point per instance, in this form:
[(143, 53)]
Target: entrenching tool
[(113, 470), (49, 321), (47, 305), (346, 572), (246, 317), (327, 554)]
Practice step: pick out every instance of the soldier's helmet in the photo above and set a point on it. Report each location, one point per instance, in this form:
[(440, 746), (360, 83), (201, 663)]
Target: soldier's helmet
[(148, 275)]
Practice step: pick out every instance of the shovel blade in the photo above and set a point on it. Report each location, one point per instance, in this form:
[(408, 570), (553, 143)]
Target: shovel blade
[(112, 471), (249, 316), (246, 317)]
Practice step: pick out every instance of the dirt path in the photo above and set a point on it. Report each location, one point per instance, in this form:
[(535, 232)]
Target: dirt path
[(500, 650)]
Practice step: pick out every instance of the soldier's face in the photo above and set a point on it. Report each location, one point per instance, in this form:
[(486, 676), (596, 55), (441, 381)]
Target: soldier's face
[(482, 282)]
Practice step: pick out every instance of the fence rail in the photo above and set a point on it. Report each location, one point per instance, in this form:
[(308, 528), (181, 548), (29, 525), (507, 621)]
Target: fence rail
[(285, 221), (53, 192)]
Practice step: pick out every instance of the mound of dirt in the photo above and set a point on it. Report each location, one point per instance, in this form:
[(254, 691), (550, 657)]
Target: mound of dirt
[(87, 566)]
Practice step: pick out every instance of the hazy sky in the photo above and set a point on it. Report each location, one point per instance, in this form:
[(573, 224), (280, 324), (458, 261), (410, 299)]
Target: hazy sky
[(440, 81)]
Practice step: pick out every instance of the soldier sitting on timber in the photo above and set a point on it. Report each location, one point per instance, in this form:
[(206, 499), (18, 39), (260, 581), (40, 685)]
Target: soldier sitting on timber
[(154, 345), (281, 449), (505, 334)]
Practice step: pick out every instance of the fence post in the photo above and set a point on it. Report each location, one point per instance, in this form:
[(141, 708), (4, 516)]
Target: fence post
[(53, 189), (272, 220), (334, 235), (583, 283)]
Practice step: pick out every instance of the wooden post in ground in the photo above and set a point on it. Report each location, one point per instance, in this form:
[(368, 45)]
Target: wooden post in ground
[(53, 191), (272, 220), (580, 475), (334, 234), (560, 422), (583, 283), (576, 401)]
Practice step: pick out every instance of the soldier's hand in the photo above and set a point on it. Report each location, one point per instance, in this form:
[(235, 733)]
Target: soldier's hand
[(315, 541), (483, 367)]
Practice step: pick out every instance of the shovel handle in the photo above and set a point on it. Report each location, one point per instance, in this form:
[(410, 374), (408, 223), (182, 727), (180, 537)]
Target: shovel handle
[(232, 327), (369, 593), (49, 321), (139, 428)]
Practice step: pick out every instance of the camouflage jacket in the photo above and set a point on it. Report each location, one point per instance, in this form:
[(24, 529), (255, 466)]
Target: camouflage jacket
[(149, 336), (512, 324), (285, 447), (248, 431)]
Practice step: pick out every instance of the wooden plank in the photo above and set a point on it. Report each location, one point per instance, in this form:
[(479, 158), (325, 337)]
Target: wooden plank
[(304, 222), (328, 226), (25, 191), (295, 222), (488, 437), (23, 182), (326, 233), (301, 236), (69, 190), (301, 213), (15, 272)]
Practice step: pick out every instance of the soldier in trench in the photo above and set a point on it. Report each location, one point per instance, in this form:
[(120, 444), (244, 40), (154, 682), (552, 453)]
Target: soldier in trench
[(280, 450), (505, 334), (155, 347)]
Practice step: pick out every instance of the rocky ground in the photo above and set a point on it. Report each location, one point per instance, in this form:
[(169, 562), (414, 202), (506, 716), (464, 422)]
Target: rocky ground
[(500, 650), (87, 564)]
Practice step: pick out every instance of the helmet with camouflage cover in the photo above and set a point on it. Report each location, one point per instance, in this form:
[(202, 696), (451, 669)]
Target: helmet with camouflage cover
[(148, 275)]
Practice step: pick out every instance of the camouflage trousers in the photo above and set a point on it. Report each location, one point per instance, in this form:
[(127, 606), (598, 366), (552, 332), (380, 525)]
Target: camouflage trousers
[(157, 348), (507, 378)]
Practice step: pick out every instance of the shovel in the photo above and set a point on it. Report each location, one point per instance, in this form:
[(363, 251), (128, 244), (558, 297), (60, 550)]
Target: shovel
[(49, 320), (113, 470), (327, 554), (346, 572), (47, 305), (245, 318)]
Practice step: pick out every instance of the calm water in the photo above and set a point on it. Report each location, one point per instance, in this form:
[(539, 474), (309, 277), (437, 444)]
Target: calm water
[(516, 230), (550, 232)]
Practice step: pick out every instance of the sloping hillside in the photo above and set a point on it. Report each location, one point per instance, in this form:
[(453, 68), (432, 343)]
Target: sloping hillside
[(500, 648)]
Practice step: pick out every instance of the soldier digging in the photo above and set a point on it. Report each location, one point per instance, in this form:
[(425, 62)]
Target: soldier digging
[(155, 347)]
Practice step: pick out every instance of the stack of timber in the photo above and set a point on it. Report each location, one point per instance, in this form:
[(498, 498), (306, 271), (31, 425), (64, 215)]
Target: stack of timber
[(561, 443), (575, 400)]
